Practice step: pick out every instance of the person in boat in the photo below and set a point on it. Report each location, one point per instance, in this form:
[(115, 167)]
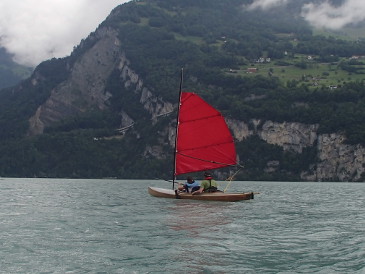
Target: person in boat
[(207, 185), (189, 186)]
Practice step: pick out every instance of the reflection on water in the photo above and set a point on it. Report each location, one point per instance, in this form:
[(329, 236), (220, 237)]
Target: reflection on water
[(194, 217), (202, 228)]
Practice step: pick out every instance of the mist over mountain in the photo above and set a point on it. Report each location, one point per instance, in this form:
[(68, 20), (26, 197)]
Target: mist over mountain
[(11, 73), (36, 30), (320, 14), (294, 101)]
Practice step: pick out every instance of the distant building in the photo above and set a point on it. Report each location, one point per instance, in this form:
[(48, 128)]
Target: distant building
[(251, 70), (263, 60)]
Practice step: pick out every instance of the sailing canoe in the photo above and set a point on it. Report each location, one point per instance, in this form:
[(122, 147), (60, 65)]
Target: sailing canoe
[(212, 196), (202, 142)]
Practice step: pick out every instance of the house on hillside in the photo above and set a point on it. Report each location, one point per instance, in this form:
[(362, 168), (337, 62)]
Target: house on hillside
[(251, 70), (263, 60)]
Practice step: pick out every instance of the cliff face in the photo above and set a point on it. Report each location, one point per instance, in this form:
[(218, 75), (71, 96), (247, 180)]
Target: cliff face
[(336, 160), (154, 105), (290, 136), (85, 89)]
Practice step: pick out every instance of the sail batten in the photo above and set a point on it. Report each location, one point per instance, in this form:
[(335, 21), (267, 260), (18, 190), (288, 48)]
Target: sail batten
[(204, 141), (203, 147), (202, 118), (206, 160)]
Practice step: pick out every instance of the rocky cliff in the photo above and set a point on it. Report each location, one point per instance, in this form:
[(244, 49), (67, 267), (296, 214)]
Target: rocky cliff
[(85, 89), (337, 161)]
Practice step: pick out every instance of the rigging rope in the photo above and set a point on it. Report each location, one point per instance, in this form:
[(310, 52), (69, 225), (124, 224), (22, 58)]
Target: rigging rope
[(230, 178)]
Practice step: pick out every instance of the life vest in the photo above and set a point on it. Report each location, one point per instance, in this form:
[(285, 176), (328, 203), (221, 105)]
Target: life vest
[(210, 188)]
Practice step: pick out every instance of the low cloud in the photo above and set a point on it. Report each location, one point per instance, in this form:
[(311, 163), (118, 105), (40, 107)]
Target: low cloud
[(266, 4), (325, 15), (36, 30), (322, 14)]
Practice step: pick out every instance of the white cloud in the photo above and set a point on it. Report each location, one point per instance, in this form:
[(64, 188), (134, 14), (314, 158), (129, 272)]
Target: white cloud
[(36, 30), (322, 14), (266, 4), (325, 15)]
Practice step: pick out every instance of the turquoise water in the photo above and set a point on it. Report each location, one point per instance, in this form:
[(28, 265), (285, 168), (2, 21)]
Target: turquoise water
[(114, 226)]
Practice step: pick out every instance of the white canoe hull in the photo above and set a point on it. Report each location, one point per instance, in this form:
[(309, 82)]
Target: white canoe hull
[(213, 196)]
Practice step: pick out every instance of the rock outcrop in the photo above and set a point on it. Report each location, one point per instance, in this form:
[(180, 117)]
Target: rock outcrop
[(85, 88), (290, 136), (337, 161)]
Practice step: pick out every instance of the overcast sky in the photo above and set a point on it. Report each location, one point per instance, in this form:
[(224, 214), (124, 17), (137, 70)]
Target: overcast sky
[(36, 30)]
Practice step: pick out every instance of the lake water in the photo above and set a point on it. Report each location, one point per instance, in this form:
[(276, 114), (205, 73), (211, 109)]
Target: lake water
[(114, 226)]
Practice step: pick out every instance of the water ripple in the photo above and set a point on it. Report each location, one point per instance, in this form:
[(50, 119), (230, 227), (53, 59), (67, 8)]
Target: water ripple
[(114, 226)]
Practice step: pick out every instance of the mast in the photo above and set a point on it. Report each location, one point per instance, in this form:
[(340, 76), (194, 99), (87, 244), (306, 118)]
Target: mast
[(177, 128)]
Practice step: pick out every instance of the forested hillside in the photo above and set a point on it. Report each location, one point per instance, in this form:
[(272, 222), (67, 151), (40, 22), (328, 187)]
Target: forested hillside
[(252, 65)]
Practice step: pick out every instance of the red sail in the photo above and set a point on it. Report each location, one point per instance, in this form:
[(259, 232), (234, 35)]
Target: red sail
[(204, 141)]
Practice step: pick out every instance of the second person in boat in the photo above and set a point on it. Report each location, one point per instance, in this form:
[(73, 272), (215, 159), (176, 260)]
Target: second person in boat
[(207, 185)]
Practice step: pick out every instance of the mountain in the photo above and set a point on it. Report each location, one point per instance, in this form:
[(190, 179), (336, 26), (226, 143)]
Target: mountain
[(293, 100), (11, 73)]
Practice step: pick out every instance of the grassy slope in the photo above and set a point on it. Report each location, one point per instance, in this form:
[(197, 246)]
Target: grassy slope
[(315, 74)]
